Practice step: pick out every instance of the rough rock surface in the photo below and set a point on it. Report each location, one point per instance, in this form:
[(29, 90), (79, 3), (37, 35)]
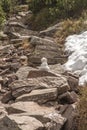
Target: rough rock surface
[(20, 87), (51, 30), (34, 99), (41, 96), (13, 122), (45, 47), (49, 116)]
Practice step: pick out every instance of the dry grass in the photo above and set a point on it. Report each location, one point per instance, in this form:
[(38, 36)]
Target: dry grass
[(71, 26), (82, 110)]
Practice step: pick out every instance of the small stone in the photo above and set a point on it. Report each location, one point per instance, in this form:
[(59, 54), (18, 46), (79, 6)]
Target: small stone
[(1, 79), (24, 60)]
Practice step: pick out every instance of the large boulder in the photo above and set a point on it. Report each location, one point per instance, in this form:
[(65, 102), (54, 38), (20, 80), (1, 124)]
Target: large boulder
[(47, 115), (25, 72), (20, 87), (13, 122), (70, 112), (68, 97), (29, 109)]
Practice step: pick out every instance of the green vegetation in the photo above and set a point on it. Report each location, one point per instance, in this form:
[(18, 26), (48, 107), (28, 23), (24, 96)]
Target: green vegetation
[(47, 12), (6, 5), (6, 8), (63, 7), (69, 27)]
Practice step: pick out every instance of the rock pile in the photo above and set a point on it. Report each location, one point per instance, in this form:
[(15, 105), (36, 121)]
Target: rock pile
[(32, 98)]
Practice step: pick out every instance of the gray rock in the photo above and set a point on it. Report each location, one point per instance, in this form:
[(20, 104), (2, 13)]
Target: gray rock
[(3, 36), (73, 83), (25, 86), (6, 97), (15, 41), (68, 97), (51, 30), (1, 79), (40, 96), (57, 121), (45, 48), (6, 49), (24, 71), (70, 114), (40, 73), (14, 35), (47, 115), (29, 109), (25, 17), (15, 24), (13, 122)]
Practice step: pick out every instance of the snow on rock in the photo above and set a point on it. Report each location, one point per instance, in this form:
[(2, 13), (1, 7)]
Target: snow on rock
[(76, 46)]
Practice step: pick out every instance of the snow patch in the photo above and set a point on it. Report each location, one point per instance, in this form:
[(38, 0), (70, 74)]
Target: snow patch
[(76, 46)]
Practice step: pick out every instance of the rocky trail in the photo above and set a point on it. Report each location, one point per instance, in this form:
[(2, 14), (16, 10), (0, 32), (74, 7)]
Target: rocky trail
[(32, 98)]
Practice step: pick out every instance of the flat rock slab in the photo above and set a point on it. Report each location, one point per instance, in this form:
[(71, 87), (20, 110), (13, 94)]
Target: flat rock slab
[(13, 122), (41, 96), (23, 72), (41, 82), (40, 73), (45, 48), (20, 87), (29, 108), (47, 115)]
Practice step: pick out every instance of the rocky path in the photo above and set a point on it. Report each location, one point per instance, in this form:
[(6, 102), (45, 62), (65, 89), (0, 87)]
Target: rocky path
[(34, 99)]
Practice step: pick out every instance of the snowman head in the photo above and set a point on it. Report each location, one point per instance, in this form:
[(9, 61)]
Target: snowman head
[(44, 60)]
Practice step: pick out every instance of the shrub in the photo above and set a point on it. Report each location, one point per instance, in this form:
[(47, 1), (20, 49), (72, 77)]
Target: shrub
[(56, 10), (82, 109), (41, 20), (67, 8), (6, 5)]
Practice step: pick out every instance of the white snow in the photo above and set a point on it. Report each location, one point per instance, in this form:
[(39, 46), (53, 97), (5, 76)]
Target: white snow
[(76, 46), (44, 65)]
